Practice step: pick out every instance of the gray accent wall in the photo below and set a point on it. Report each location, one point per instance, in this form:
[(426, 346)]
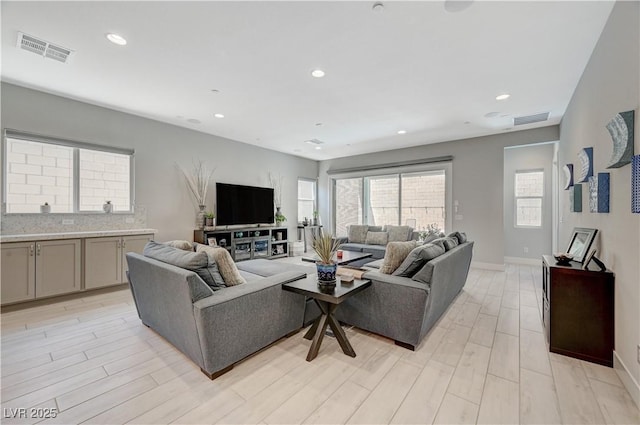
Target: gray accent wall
[(537, 241), (477, 183), (610, 85), (160, 188)]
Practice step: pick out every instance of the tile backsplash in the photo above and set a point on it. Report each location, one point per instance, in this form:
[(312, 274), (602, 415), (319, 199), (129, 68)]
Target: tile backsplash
[(16, 224)]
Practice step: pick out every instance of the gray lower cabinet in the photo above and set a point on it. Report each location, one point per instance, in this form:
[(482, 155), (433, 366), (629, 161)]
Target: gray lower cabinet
[(40, 269), (18, 271), (105, 261)]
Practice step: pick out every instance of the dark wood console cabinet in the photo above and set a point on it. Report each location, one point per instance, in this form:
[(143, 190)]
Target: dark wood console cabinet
[(578, 311)]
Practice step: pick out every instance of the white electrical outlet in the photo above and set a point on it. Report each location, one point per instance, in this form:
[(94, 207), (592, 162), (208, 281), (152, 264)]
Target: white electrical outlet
[(526, 250), (67, 221)]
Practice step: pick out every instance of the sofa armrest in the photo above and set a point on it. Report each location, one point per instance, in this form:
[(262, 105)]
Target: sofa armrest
[(395, 280), (234, 292), (342, 240), (236, 322)]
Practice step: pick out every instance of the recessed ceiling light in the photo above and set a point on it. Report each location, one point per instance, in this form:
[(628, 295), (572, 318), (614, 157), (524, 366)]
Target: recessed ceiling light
[(402, 131), (503, 96), (215, 91), (378, 8), (467, 122), (318, 73), (492, 114), (318, 124), (218, 115), (116, 39), (318, 148), (193, 121)]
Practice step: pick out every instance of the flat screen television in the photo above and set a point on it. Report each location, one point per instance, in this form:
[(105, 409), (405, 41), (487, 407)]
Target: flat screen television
[(237, 204)]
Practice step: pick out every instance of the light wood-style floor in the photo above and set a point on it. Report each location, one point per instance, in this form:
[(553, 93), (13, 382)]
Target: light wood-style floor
[(485, 362)]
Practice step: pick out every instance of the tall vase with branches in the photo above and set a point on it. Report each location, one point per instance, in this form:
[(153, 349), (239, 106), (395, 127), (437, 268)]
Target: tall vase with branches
[(276, 183), (198, 183)]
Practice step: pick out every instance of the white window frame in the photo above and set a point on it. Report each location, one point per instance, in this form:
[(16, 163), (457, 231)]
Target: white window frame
[(447, 166), (516, 197), (315, 195), (76, 145)]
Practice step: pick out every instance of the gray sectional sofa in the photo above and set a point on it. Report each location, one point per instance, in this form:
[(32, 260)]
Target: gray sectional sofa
[(373, 239), (215, 329), (405, 309)]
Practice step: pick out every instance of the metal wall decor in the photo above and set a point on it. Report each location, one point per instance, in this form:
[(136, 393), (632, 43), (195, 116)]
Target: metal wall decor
[(599, 193), (568, 175), (586, 164), (621, 130), (575, 198), (635, 185)]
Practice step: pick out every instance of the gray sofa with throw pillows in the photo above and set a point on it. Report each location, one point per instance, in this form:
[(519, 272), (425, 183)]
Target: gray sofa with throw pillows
[(207, 308), (374, 239), (411, 288)]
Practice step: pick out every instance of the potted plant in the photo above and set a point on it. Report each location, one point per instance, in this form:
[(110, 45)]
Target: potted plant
[(280, 218), (325, 247), (210, 218)]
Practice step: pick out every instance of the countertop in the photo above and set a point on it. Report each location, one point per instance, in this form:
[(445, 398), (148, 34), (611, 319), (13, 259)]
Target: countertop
[(74, 235)]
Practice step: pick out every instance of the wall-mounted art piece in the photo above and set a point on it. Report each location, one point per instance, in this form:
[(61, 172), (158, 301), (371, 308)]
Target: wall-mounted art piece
[(635, 184), (599, 193), (568, 176), (575, 198), (586, 164), (621, 130)]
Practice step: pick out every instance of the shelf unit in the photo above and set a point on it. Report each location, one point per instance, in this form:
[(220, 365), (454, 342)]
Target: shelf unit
[(578, 311), (248, 243)]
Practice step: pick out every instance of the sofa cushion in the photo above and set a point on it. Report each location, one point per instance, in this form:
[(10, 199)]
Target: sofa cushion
[(399, 233), (185, 245), (460, 237), (376, 238), (376, 264), (417, 259), (376, 251), (227, 267), (195, 261), (357, 233), (395, 255), (447, 242), (430, 238), (349, 246), (375, 229)]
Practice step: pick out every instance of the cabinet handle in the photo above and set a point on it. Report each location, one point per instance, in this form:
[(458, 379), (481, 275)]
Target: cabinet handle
[(31, 250), (38, 247)]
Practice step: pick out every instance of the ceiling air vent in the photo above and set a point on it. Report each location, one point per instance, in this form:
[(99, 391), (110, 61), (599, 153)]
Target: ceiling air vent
[(530, 119), (43, 48)]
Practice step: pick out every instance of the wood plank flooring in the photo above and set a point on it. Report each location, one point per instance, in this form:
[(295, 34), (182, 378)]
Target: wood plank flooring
[(485, 362)]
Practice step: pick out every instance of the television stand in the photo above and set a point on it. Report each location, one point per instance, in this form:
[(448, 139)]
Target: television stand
[(248, 243)]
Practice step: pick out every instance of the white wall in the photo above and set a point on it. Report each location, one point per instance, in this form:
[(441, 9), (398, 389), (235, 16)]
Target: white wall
[(536, 240), (477, 182), (160, 187), (610, 85)]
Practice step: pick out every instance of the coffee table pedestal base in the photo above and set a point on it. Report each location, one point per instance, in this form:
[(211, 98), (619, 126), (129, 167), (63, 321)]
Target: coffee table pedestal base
[(317, 330)]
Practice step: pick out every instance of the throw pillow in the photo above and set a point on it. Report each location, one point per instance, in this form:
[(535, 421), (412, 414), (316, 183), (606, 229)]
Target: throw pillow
[(399, 233), (395, 254), (417, 259), (357, 233), (376, 238), (460, 237), (226, 266), (447, 242), (197, 262), (432, 237), (185, 245)]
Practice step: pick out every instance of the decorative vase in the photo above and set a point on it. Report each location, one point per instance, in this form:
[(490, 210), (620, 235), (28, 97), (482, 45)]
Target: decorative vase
[(315, 221), (209, 221), (45, 208), (107, 207), (326, 273), (200, 219)]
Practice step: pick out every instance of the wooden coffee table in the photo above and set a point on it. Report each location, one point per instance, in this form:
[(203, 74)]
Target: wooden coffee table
[(328, 303), (347, 257)]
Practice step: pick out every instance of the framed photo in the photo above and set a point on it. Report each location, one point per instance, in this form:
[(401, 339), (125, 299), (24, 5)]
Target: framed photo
[(587, 260), (580, 243), (212, 241)]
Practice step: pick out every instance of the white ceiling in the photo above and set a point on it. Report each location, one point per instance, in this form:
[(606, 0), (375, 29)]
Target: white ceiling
[(413, 67)]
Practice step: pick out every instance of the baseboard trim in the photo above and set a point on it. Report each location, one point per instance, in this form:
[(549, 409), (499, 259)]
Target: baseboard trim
[(487, 266), (627, 378), (524, 261)]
